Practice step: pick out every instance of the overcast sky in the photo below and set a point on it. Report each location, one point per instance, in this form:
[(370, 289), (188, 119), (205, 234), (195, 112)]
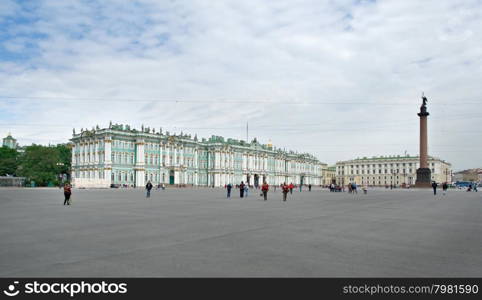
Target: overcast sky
[(338, 79)]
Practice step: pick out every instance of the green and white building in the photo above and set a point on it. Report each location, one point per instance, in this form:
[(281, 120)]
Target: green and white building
[(123, 156), (10, 142)]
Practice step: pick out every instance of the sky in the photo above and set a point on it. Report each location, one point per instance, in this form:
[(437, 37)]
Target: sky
[(338, 79)]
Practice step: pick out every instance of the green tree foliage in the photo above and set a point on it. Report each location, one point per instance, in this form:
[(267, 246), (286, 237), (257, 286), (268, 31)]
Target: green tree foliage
[(8, 161), (43, 164)]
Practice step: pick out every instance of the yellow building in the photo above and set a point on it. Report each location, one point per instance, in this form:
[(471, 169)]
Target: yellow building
[(328, 175), (395, 170)]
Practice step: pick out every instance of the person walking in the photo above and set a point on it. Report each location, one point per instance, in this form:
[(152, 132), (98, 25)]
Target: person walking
[(246, 189), (434, 186), (291, 187), (285, 190), (265, 189), (309, 187), (148, 188), (228, 188), (67, 193), (241, 190), (475, 186), (445, 187), (353, 187)]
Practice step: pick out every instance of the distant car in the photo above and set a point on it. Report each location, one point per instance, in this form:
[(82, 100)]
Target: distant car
[(114, 186)]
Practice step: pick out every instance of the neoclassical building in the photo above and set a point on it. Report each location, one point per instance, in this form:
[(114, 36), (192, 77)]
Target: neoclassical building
[(386, 170), (125, 156), (10, 142)]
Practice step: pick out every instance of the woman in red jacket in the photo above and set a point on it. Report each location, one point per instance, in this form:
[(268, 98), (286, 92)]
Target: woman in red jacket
[(285, 191), (67, 193), (265, 189)]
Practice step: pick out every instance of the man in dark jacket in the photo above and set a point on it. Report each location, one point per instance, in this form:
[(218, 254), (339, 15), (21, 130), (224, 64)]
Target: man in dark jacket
[(148, 188), (445, 186), (228, 188), (434, 186), (241, 190)]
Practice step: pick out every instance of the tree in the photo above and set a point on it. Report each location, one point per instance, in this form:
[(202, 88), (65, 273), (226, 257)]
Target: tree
[(8, 161), (44, 164), (65, 156)]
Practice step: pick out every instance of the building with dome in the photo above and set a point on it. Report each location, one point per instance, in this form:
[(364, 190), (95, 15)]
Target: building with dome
[(10, 142)]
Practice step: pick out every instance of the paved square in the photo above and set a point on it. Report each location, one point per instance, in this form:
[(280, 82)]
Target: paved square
[(198, 232)]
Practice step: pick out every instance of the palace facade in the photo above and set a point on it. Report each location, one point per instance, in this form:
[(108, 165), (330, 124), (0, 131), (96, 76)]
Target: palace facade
[(386, 170), (119, 155)]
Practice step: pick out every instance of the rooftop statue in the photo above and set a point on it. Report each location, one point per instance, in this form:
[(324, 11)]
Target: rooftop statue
[(423, 108), (73, 131)]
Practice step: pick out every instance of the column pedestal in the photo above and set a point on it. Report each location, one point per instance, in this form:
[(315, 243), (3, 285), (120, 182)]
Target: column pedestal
[(424, 178)]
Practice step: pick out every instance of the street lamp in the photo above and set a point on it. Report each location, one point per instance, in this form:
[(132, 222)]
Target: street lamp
[(61, 177)]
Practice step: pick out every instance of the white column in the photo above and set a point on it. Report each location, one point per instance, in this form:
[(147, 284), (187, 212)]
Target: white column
[(140, 163), (176, 177), (108, 176), (181, 156), (96, 150), (108, 151), (73, 155), (195, 160)]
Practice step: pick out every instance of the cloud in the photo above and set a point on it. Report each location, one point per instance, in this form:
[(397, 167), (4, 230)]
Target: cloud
[(273, 64)]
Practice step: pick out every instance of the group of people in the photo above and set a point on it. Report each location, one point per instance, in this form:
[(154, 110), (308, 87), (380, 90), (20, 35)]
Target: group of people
[(471, 187), (285, 189), (445, 187), (244, 188)]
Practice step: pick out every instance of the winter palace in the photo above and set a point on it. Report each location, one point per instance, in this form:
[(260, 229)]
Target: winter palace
[(121, 155)]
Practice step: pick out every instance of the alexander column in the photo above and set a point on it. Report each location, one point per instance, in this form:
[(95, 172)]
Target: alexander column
[(423, 173)]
